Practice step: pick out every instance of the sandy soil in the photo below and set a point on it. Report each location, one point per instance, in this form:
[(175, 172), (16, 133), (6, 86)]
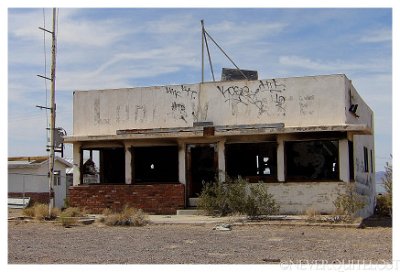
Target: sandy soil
[(45, 243)]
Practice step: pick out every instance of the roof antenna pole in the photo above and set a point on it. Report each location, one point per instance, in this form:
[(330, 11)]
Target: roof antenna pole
[(226, 55), (209, 58), (202, 50)]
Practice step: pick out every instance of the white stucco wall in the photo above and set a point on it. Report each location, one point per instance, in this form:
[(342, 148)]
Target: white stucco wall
[(365, 181), (301, 101), (297, 197), (35, 180)]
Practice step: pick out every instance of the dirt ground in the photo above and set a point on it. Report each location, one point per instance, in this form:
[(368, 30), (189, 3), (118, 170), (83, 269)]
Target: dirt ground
[(49, 243)]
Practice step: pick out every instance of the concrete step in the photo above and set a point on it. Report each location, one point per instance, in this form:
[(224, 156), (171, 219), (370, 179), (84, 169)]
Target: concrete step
[(189, 212), (193, 201)]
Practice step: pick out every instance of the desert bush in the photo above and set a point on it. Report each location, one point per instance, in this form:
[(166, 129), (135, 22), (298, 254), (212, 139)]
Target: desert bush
[(106, 211), (312, 214), (73, 212), (213, 199), (259, 201), (349, 203), (236, 196), (68, 221), (69, 216), (384, 202), (29, 211), (40, 211), (127, 217), (383, 205)]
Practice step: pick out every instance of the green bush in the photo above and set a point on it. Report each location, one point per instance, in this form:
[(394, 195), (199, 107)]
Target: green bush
[(260, 202), (350, 202), (384, 202), (236, 196), (383, 205)]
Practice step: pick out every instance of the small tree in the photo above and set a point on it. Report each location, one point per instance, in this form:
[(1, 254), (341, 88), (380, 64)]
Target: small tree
[(384, 202), (387, 180)]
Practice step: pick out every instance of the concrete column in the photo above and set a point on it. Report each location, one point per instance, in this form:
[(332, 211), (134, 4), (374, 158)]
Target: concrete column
[(280, 158), (182, 162), (77, 163), (221, 159), (344, 171), (128, 165)]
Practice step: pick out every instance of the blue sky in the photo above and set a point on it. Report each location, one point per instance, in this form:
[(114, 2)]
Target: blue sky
[(115, 48)]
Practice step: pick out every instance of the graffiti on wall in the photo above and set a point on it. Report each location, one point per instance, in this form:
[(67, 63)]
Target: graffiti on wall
[(140, 113), (183, 102), (306, 104), (100, 112), (268, 96), (122, 113)]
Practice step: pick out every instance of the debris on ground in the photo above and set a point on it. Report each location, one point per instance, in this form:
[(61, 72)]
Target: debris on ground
[(267, 260), (223, 227)]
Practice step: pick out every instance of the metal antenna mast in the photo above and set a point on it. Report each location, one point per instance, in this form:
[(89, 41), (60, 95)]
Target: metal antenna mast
[(52, 109), (204, 35)]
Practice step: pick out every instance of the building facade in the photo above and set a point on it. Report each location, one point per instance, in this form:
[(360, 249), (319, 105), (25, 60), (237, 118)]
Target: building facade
[(28, 177), (152, 147)]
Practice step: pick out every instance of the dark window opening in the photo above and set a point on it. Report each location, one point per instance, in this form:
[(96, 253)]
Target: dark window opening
[(155, 164), (105, 165), (315, 160), (372, 161), (255, 161), (366, 169), (351, 160), (57, 178)]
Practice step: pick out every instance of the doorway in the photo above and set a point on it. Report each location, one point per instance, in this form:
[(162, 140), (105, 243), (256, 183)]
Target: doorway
[(201, 165)]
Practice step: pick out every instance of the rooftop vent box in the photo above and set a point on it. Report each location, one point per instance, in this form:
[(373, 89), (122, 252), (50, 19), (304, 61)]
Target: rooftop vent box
[(235, 74)]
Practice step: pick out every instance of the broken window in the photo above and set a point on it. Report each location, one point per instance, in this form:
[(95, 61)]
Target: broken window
[(155, 164), (366, 169), (351, 160), (103, 165), (316, 160), (372, 161), (254, 161)]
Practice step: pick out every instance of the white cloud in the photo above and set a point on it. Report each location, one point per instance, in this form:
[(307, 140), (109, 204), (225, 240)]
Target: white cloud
[(336, 66), (230, 33), (377, 36)]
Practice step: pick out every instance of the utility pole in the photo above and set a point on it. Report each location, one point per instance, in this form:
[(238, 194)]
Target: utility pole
[(52, 109), (52, 112)]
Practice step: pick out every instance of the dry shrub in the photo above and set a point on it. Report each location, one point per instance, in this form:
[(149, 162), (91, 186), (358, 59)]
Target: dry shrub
[(68, 221), (40, 211), (312, 214), (127, 217), (70, 215), (106, 211), (73, 212), (29, 211)]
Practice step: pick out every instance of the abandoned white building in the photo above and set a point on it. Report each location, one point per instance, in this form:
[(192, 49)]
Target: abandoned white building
[(28, 177), (305, 137)]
